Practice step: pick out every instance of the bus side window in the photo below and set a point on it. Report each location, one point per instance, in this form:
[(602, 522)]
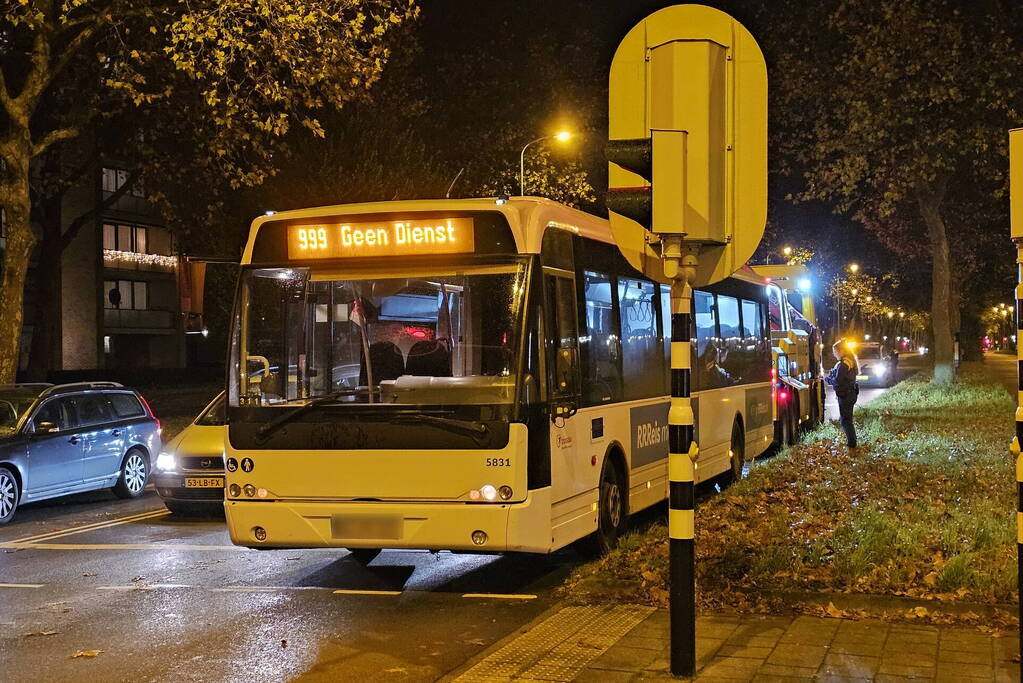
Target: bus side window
[(733, 358), (705, 351), (563, 338), (602, 374), (642, 354), (754, 339)]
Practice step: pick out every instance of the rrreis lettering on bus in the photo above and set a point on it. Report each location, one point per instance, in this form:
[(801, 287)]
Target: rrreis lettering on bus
[(386, 238)]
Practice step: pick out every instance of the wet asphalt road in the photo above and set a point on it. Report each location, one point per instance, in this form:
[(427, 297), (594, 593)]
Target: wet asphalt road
[(165, 598), (172, 599), (909, 364)]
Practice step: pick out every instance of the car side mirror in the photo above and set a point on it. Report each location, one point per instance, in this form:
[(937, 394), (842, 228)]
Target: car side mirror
[(45, 428)]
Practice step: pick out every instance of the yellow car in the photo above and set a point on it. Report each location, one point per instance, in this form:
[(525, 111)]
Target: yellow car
[(189, 472)]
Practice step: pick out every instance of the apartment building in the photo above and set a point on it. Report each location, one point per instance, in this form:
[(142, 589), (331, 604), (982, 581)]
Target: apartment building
[(125, 294)]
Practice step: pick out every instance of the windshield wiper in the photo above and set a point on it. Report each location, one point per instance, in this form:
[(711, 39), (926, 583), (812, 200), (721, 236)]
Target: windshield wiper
[(273, 425), (475, 429)]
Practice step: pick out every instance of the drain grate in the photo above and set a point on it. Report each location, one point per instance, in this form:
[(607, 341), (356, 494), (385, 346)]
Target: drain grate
[(558, 648)]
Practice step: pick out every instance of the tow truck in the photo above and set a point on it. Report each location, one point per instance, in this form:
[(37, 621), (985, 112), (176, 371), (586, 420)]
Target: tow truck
[(797, 350)]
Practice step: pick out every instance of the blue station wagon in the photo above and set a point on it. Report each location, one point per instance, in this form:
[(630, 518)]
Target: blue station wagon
[(58, 440)]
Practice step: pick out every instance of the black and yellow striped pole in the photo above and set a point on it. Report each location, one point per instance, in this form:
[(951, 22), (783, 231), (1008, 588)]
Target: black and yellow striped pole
[(680, 267), (1016, 229)]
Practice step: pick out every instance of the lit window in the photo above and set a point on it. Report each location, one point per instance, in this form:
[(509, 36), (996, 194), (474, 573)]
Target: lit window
[(133, 238)]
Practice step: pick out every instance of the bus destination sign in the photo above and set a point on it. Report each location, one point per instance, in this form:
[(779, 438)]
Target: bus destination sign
[(380, 238)]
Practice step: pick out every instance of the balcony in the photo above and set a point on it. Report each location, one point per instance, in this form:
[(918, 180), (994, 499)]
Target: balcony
[(120, 320), (130, 260)]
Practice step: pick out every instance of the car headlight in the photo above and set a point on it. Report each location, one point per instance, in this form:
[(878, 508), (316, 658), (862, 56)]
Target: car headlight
[(165, 462), (881, 370)]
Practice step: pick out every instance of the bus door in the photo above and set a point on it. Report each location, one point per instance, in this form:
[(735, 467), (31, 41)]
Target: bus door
[(562, 374)]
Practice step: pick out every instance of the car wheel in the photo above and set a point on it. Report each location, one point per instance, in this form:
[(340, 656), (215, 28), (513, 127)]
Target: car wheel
[(134, 475), (611, 513), (9, 495), (738, 459), (179, 509), (364, 555)]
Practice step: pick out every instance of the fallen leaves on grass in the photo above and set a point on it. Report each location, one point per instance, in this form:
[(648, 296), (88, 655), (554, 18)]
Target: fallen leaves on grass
[(922, 511)]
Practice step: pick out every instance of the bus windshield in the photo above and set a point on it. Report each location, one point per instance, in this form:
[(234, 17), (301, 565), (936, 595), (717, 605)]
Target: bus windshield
[(440, 336)]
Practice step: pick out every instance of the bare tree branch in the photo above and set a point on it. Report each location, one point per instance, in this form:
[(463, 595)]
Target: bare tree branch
[(53, 137), (76, 225)]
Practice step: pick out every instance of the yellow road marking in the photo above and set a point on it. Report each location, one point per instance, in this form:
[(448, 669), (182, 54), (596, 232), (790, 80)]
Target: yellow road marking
[(22, 585), (351, 591), (95, 525), (501, 596), (164, 547)]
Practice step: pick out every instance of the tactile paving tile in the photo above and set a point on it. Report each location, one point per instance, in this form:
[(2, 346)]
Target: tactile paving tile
[(558, 648)]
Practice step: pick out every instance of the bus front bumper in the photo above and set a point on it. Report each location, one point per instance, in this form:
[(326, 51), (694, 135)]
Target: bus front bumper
[(521, 527)]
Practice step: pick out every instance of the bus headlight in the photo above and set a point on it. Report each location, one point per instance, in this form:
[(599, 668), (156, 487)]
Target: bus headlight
[(488, 492), (233, 491), (165, 462), (505, 492), (249, 490)]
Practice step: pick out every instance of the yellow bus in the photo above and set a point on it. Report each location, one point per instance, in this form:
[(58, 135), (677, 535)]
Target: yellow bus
[(474, 375)]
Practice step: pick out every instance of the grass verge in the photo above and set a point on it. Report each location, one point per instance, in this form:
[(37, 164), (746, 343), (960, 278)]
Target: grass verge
[(923, 510)]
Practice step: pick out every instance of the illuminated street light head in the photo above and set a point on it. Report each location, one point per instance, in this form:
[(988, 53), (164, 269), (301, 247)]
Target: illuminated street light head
[(854, 267), (891, 314), (787, 251), (805, 284), (563, 136)]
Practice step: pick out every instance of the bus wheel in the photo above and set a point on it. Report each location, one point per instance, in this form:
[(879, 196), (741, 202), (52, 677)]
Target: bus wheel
[(364, 555), (611, 519), (738, 451)]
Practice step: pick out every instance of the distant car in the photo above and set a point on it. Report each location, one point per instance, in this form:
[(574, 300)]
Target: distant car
[(58, 440), (876, 368), (189, 473)]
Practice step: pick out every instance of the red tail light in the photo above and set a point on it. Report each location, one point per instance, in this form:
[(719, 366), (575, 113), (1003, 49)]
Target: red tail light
[(784, 396), (159, 425)]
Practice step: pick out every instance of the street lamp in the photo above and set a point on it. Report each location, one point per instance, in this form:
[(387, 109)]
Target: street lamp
[(854, 268), (561, 136)]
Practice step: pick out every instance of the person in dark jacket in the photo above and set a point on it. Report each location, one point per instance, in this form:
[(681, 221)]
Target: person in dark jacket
[(843, 378)]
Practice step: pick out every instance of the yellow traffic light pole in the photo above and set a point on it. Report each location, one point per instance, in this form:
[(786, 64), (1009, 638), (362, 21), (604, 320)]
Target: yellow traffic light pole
[(680, 267), (687, 129), (1016, 229)]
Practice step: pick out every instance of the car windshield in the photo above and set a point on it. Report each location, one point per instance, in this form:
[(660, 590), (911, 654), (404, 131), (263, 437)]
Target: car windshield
[(441, 336), (214, 415), (869, 353), (12, 408)]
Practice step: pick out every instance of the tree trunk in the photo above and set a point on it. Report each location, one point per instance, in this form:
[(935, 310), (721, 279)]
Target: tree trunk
[(20, 240), (929, 199)]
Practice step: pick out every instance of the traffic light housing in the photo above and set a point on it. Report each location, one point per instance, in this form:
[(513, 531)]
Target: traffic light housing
[(635, 156), (658, 204), (687, 124)]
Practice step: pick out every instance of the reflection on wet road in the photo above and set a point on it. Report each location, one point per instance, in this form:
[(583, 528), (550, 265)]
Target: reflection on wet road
[(165, 598)]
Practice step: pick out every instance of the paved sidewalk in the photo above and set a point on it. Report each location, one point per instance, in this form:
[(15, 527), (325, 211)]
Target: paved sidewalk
[(769, 648)]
